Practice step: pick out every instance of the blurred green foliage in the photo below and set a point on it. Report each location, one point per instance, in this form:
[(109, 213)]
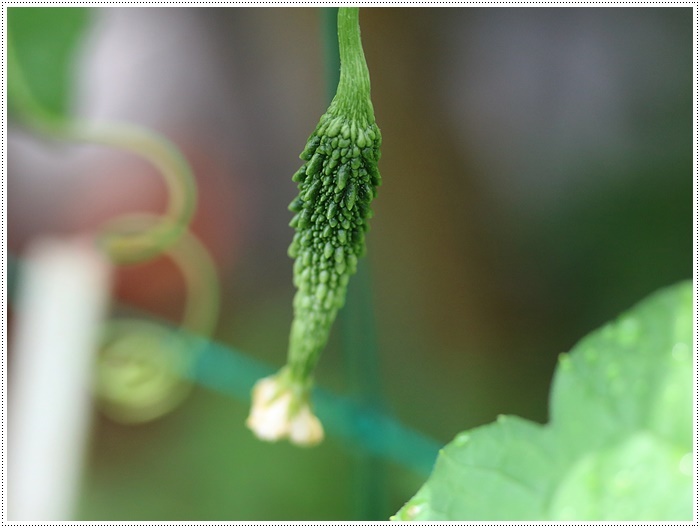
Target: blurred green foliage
[(44, 41), (618, 445)]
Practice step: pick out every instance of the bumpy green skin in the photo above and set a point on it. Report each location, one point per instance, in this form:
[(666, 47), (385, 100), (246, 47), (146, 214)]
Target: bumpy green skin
[(337, 182)]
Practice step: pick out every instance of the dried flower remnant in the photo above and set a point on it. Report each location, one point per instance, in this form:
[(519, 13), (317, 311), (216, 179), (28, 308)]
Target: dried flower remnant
[(282, 410)]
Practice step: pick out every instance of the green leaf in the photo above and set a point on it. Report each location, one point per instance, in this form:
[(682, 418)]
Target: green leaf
[(635, 373), (43, 42), (509, 468), (618, 445), (640, 478)]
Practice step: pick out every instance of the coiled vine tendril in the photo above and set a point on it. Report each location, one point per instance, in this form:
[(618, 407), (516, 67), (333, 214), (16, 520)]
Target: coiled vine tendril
[(141, 369)]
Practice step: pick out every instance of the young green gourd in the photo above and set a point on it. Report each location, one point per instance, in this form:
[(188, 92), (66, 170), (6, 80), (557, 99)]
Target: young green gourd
[(337, 182)]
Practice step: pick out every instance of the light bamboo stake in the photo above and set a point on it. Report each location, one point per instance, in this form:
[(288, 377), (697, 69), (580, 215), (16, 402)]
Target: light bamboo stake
[(62, 302)]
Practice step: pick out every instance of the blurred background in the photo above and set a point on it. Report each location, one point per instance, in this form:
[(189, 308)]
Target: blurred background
[(537, 168)]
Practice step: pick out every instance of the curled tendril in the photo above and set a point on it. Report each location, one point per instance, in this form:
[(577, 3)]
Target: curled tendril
[(142, 365), (130, 239), (122, 241), (140, 371)]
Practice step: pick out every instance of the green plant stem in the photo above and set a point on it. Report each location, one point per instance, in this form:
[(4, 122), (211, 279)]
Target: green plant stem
[(203, 292), (354, 75), (360, 351), (358, 335)]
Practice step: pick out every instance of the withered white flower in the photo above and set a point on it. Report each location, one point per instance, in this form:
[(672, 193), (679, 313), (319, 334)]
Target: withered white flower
[(306, 428), (278, 411), (269, 412)]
